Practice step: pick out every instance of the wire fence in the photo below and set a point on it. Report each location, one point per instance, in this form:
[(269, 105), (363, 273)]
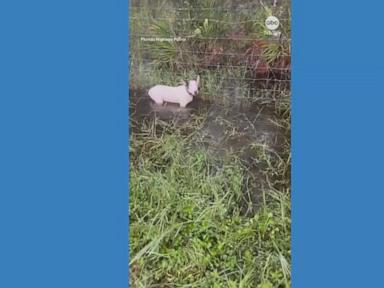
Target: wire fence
[(230, 48)]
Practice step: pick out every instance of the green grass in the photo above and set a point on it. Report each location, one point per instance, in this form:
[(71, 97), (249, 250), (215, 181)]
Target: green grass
[(187, 228)]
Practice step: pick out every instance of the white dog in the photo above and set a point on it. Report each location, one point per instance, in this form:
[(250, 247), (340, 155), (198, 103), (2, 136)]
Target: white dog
[(182, 95)]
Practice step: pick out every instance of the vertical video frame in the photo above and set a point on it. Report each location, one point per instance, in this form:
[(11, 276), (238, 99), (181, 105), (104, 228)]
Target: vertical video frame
[(210, 156)]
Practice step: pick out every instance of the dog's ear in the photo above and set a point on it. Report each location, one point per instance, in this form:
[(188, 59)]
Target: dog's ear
[(198, 80)]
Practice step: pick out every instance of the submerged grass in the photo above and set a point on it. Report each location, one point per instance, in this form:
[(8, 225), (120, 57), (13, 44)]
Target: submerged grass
[(187, 228)]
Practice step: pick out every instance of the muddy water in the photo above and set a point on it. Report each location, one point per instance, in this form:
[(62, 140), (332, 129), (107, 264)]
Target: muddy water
[(226, 128), (235, 129)]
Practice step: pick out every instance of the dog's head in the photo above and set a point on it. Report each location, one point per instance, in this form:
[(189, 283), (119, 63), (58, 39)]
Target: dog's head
[(193, 86)]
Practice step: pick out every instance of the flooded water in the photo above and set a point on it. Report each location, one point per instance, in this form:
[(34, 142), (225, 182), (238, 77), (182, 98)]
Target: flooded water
[(226, 128), (239, 129)]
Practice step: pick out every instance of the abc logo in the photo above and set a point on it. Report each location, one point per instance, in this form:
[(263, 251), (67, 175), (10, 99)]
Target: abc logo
[(272, 23)]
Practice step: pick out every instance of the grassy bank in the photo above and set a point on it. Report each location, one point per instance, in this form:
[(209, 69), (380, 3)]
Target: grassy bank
[(188, 228)]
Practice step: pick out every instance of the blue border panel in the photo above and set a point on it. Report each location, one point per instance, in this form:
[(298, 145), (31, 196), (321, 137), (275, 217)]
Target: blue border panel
[(337, 144), (64, 143)]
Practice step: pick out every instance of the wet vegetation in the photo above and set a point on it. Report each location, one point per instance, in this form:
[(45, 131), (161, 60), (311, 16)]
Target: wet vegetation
[(210, 184)]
